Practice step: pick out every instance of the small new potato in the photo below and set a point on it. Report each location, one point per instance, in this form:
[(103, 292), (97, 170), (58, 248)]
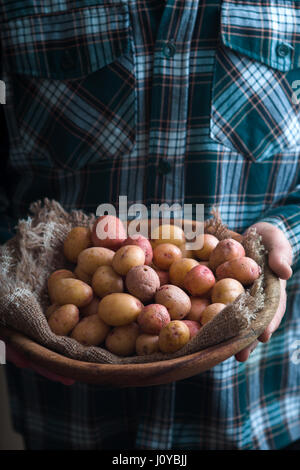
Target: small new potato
[(163, 275), (165, 254), (90, 331), (91, 258), (128, 257), (198, 304), (106, 281), (77, 240), (153, 318), (146, 344), (209, 244), (175, 300), (210, 312), (119, 309), (199, 280), (173, 336), (143, 243), (87, 278), (193, 326), (142, 282), (64, 319), (245, 270), (225, 250), (108, 232), (226, 291), (56, 276), (167, 234), (72, 291), (179, 269), (51, 309), (91, 308), (122, 339)]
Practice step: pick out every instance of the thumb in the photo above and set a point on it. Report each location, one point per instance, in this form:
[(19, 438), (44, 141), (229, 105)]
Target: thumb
[(279, 249)]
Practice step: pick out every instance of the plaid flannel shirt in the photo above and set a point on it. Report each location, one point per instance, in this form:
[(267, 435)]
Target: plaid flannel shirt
[(162, 101)]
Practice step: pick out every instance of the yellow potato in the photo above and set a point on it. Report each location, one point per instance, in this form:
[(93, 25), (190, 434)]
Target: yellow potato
[(209, 244), (90, 331), (165, 254), (56, 276), (106, 281), (173, 336), (245, 270), (64, 319), (179, 269), (128, 257), (122, 339), (51, 309), (167, 234), (91, 258), (72, 291), (210, 312), (175, 300), (91, 308), (185, 252), (226, 291), (87, 278), (77, 240), (146, 344), (119, 309), (225, 250)]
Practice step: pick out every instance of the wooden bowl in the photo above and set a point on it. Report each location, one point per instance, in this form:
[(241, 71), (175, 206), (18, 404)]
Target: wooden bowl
[(153, 373)]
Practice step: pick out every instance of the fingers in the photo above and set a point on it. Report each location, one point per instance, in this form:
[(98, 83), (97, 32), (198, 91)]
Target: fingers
[(243, 355), (274, 324)]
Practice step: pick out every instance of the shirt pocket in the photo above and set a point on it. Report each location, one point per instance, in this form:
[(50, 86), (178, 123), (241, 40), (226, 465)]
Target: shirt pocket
[(71, 82), (254, 109)]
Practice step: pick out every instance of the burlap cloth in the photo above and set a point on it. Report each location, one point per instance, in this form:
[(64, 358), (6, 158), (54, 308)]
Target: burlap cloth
[(27, 260)]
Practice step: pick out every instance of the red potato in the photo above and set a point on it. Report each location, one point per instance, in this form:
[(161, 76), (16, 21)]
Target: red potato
[(226, 291), (165, 254), (173, 336), (144, 244), (91, 258), (210, 312), (209, 244), (199, 280), (146, 344), (108, 232), (163, 276), (64, 319), (179, 269), (90, 331), (198, 304), (122, 339), (175, 300), (225, 250), (77, 240), (91, 308), (245, 270), (153, 318), (127, 257), (193, 326), (142, 282), (72, 291)]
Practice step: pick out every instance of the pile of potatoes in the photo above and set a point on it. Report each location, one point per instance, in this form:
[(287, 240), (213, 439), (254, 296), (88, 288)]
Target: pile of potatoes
[(140, 296)]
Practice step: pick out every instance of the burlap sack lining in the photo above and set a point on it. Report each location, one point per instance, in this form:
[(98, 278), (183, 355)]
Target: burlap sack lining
[(27, 260)]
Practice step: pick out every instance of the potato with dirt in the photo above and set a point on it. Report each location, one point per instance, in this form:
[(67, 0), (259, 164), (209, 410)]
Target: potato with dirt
[(175, 300), (119, 309), (146, 344), (142, 282), (173, 336), (225, 250), (121, 340), (106, 281), (245, 270), (72, 291), (90, 331), (64, 319), (128, 257), (153, 318), (77, 240), (226, 291)]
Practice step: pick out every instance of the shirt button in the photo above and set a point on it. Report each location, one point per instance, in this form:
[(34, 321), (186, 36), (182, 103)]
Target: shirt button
[(164, 166), (67, 61), (283, 49), (169, 49)]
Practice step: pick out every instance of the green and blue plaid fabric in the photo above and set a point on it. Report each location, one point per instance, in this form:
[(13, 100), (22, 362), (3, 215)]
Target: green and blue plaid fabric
[(163, 101)]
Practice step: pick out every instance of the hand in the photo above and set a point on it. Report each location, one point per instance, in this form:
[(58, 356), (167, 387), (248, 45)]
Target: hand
[(280, 260), (20, 361)]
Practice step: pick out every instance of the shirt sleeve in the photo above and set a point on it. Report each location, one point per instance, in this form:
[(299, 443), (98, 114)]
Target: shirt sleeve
[(287, 218)]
